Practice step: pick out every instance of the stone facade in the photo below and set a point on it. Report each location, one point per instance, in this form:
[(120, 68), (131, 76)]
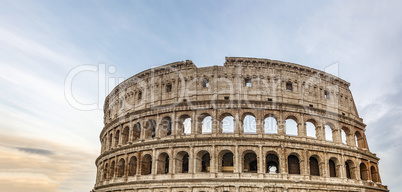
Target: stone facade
[(250, 125)]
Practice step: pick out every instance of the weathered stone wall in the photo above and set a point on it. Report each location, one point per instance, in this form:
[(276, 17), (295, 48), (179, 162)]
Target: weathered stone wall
[(166, 129)]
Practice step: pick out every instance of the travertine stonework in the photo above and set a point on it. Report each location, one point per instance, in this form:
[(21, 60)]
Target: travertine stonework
[(250, 125)]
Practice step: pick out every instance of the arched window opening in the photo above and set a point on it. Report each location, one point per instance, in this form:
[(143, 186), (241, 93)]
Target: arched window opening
[(289, 86), (374, 174), (363, 172), (272, 164), (163, 164), (206, 125), (328, 133), (350, 169), (184, 125), (132, 166), (111, 141), (293, 165), (205, 163), (360, 140), (310, 128), (182, 162), (332, 168), (356, 141), (105, 170), (124, 135), (203, 160), (146, 165), (111, 171), (227, 162), (250, 163), (120, 168), (168, 87), (228, 124), (270, 125), (150, 129), (139, 96), (116, 138), (249, 124), (291, 127), (137, 131), (314, 167), (205, 83), (166, 126), (187, 126), (343, 136)]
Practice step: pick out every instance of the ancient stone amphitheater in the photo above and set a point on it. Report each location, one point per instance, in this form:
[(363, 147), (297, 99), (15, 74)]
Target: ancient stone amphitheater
[(250, 125)]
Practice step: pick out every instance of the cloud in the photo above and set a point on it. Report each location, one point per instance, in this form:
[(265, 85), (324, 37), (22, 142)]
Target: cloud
[(45, 164)]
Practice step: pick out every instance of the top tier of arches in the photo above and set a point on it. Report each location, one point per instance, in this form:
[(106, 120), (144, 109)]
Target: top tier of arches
[(244, 122)]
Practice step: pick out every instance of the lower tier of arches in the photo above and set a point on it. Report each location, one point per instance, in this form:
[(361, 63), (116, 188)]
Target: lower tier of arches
[(234, 183)]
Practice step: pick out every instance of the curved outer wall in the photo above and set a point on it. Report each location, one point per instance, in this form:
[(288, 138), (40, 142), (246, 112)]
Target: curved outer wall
[(250, 125)]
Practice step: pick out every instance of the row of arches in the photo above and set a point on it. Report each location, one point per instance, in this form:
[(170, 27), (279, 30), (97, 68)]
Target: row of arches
[(249, 163), (226, 123)]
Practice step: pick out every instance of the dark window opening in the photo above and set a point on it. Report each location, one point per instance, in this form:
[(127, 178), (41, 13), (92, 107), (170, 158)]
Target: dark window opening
[(326, 94), (205, 83), (332, 169), (289, 86), (269, 99), (311, 105), (293, 165), (348, 175), (185, 164), (314, 168), (168, 88), (248, 82), (226, 98), (139, 97)]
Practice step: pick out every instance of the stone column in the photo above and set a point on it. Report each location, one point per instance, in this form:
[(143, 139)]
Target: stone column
[(260, 160), (191, 161), (236, 164)]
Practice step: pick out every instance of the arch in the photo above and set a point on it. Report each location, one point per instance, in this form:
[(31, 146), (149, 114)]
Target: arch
[(227, 123), (182, 161), (250, 163), (249, 124), (332, 168), (343, 136), (184, 125), (226, 161), (363, 172), (150, 129), (272, 163), (203, 161), (132, 166), (350, 169), (111, 170), (117, 138), (328, 133), (120, 167), (314, 166), (360, 141), (110, 140), (206, 123), (165, 126), (137, 131), (105, 170), (163, 163), (311, 129), (146, 164), (374, 174), (293, 165), (270, 125), (125, 134), (291, 126)]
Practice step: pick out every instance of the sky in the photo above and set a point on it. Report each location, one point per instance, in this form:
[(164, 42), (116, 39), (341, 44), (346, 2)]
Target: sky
[(58, 60)]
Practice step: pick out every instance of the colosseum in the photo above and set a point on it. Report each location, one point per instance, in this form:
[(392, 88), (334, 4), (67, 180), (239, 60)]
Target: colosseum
[(249, 125)]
